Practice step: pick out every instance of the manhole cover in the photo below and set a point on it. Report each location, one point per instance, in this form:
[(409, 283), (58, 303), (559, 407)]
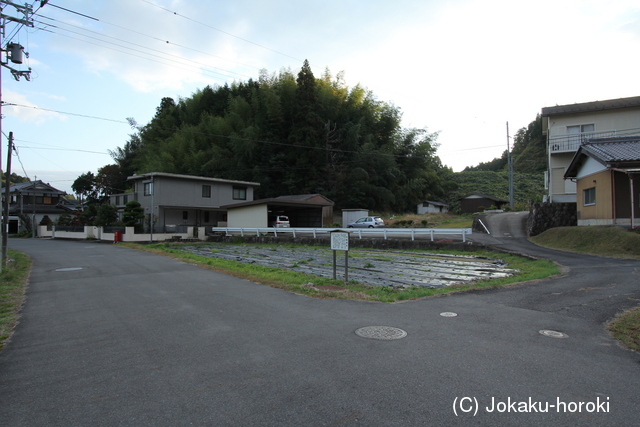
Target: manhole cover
[(448, 314), (69, 269), (381, 333), (553, 334)]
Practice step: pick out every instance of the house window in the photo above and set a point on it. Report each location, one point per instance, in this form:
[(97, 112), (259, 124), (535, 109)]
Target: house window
[(125, 199), (117, 200), (47, 200), (185, 215), (589, 196), (206, 191), (580, 133), (206, 216), (148, 188), (239, 193)]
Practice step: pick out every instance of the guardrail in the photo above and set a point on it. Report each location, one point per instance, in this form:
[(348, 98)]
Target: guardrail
[(386, 232)]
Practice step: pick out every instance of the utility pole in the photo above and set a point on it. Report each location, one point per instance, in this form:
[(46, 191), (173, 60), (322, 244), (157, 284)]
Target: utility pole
[(510, 170), (14, 53), (5, 228)]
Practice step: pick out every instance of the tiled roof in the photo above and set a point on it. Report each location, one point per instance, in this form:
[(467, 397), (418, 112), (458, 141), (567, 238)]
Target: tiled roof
[(613, 150)]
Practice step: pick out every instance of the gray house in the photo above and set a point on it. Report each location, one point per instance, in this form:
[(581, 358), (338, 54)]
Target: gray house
[(178, 201)]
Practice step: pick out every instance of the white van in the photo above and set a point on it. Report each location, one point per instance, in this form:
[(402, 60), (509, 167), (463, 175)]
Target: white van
[(280, 221)]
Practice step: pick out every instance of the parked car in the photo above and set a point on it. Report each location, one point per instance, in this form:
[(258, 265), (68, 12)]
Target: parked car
[(280, 221), (367, 222)]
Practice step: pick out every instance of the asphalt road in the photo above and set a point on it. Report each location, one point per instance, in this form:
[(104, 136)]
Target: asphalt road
[(138, 339)]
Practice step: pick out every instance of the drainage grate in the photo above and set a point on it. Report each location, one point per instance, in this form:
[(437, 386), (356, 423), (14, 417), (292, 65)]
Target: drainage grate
[(552, 334), (381, 333)]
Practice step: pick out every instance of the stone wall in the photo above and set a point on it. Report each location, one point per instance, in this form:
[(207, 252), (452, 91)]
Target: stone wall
[(543, 216)]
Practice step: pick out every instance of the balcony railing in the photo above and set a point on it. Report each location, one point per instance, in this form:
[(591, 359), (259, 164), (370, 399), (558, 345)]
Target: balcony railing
[(567, 143)]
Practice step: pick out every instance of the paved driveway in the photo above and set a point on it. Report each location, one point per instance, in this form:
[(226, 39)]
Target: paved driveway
[(137, 339)]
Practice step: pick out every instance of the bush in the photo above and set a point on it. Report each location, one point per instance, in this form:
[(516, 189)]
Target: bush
[(23, 233)]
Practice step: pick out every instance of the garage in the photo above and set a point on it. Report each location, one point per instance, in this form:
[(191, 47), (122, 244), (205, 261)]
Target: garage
[(306, 210)]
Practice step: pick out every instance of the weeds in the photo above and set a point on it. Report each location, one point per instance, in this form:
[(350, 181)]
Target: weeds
[(13, 282)]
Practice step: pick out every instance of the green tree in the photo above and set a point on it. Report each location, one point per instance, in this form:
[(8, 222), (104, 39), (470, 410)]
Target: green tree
[(133, 214), (110, 180), (294, 134), (85, 187), (106, 215), (88, 214), (64, 219)]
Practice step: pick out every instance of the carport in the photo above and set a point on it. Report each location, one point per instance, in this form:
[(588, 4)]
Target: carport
[(306, 210)]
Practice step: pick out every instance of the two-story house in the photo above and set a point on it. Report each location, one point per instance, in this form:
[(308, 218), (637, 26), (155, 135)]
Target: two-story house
[(179, 201), (567, 127), (31, 201)]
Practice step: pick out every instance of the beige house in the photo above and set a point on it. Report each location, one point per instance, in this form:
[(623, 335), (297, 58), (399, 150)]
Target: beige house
[(567, 127), (606, 173), (180, 201)]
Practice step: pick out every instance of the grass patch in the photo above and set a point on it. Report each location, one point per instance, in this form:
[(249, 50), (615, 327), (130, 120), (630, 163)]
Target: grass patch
[(13, 282), (430, 220), (626, 328), (307, 284), (602, 241)]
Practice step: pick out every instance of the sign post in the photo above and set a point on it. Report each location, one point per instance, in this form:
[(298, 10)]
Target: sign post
[(340, 242)]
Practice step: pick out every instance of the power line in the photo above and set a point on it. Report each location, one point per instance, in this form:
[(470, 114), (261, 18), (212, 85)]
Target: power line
[(148, 59), (230, 137), (73, 11), (222, 31), (133, 44), (64, 149), (164, 41), (63, 112)]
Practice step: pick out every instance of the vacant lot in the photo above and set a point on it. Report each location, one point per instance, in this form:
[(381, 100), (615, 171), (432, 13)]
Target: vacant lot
[(384, 276), (372, 267)]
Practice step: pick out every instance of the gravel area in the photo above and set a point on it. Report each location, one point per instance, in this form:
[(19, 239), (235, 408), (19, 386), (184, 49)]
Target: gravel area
[(373, 267)]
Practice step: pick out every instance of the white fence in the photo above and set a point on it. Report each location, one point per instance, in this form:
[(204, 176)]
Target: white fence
[(201, 233), (97, 233), (359, 232)]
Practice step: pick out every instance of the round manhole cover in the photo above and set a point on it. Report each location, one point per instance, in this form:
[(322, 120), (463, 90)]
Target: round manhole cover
[(381, 333), (69, 269), (448, 314), (553, 334)]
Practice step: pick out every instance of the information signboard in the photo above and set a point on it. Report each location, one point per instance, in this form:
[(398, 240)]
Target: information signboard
[(339, 241)]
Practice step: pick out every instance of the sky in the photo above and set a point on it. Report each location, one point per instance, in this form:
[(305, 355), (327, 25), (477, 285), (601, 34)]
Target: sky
[(462, 68)]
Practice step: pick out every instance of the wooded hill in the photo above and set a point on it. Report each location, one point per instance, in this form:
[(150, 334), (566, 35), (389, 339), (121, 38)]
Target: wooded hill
[(529, 163), (300, 135), (293, 135)]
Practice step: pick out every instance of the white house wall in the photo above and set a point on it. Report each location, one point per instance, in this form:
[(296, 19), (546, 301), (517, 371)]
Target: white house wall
[(248, 216), (604, 121), (562, 190), (589, 167)]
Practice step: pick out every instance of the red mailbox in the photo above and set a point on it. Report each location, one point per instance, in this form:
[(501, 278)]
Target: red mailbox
[(117, 236)]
